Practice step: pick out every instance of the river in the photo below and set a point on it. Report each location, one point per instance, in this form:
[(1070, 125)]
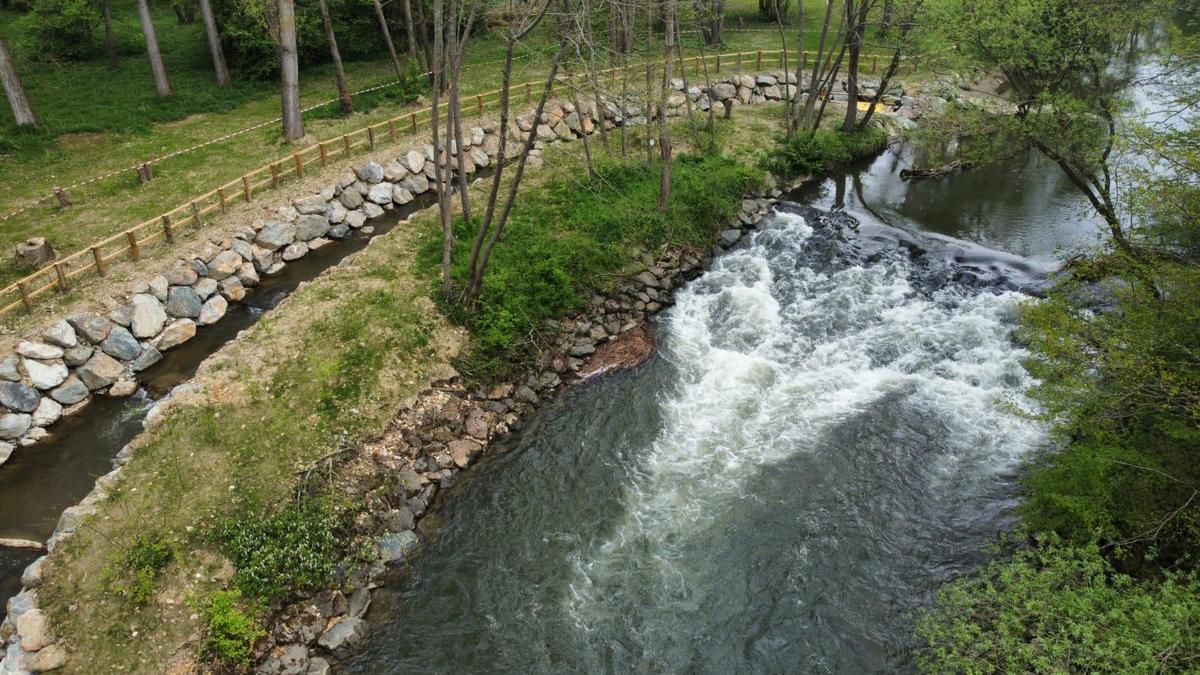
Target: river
[(829, 430)]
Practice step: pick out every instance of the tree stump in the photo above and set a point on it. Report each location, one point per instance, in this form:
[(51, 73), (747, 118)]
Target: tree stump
[(36, 252)]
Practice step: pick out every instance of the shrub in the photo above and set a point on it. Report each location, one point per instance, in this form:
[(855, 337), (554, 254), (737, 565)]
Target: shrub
[(1061, 609), (563, 242), (230, 632), (282, 552), (62, 29), (140, 566), (823, 151)]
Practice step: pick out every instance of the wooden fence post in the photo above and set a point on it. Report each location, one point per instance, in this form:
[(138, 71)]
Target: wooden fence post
[(63, 286), (479, 103), (528, 93), (274, 174), (324, 154), (25, 297), (758, 63), (718, 68), (392, 129), (196, 214), (346, 143), (246, 186), (167, 231), (221, 197), (134, 252), (370, 137), (63, 200), (299, 164), (99, 258), (412, 118)]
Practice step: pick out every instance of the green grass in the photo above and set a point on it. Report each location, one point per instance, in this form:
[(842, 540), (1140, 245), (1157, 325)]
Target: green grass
[(804, 154), (566, 240)]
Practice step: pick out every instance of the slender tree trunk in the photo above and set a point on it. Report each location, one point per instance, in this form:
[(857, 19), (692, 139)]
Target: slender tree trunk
[(827, 84), (214, 42), (791, 99), (624, 107), (423, 38), (439, 63), (458, 50), (161, 83), (664, 136), (410, 36), (813, 91), (889, 17), (387, 39), (856, 24), (289, 71), (339, 74), (13, 90), (110, 44), (716, 23)]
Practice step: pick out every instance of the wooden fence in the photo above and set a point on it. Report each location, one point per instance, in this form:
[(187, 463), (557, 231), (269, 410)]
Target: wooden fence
[(59, 275)]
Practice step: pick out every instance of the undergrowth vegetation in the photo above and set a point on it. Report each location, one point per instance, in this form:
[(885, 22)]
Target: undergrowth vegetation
[(567, 240), (805, 154), (231, 628)]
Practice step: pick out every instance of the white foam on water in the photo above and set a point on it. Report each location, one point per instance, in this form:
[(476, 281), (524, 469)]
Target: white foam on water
[(768, 365)]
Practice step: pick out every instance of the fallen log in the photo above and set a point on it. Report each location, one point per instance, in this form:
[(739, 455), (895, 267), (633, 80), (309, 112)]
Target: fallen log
[(936, 172), (22, 543)]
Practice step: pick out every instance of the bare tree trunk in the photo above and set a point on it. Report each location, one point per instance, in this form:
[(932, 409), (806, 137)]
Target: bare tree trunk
[(387, 39), (13, 90), (423, 38), (458, 49), (439, 63), (289, 71), (856, 25), (339, 74), (161, 83), (664, 136), (813, 93), (409, 33), (716, 23), (827, 84), (889, 17), (110, 44), (624, 107), (214, 42)]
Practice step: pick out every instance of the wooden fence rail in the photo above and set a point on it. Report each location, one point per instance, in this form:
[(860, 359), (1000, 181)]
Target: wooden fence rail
[(60, 274)]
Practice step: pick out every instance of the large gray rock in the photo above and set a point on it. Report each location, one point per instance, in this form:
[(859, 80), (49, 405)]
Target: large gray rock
[(205, 287), (45, 375), (371, 210), (45, 660), (39, 350), (175, 334), (395, 546), (10, 368), (356, 219), (19, 397), (78, 355), (415, 161), (147, 358), (121, 344), (394, 171), (92, 327), (295, 251), (6, 450), (33, 627), (311, 204), (400, 195), (146, 316), (311, 227), (380, 193), (233, 289), (181, 275), (350, 198), (183, 302), (100, 371), (214, 308), (285, 660), (158, 287), (60, 334), (275, 234), (723, 91), (415, 184), (344, 633), (14, 425), (47, 412), (227, 262), (248, 275), (70, 392), (369, 172)]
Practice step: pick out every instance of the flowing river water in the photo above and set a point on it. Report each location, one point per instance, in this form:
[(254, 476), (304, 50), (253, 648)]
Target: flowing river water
[(829, 430)]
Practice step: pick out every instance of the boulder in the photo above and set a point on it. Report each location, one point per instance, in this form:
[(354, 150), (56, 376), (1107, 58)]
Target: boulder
[(244, 249), (371, 210), (19, 397), (723, 91), (395, 546), (227, 262), (415, 161), (100, 371), (48, 411), (6, 451), (233, 289), (343, 633), (368, 172), (295, 251), (275, 235), (175, 334), (46, 375), (338, 231), (14, 425), (350, 198), (311, 204), (415, 184), (183, 302), (123, 387), (766, 80), (285, 660), (400, 195), (10, 368), (461, 452), (50, 658), (355, 219), (77, 356), (70, 392), (33, 627), (380, 194), (146, 316), (394, 171), (147, 358), (39, 350), (205, 287), (311, 227), (730, 237), (212, 311), (247, 274), (180, 275), (60, 334), (121, 344), (120, 316)]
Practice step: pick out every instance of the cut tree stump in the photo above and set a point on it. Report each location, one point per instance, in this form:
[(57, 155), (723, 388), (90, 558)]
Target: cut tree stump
[(36, 252)]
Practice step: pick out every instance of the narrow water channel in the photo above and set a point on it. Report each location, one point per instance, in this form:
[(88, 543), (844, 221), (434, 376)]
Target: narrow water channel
[(38, 483), (828, 431)]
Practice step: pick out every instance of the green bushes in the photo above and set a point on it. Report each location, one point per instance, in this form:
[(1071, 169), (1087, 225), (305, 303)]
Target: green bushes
[(230, 632), (279, 553), (1062, 609), (62, 29), (564, 241), (825, 150), (134, 575)]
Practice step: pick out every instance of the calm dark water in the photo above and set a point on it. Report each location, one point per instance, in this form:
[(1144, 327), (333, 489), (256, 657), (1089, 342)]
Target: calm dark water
[(828, 432)]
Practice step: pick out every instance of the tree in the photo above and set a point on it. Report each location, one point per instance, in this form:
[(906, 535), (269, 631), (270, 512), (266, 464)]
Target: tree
[(289, 71), (339, 74), (713, 21), (664, 136), (110, 44), (856, 28), (13, 90), (161, 83), (1057, 56), (387, 39), (214, 42)]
